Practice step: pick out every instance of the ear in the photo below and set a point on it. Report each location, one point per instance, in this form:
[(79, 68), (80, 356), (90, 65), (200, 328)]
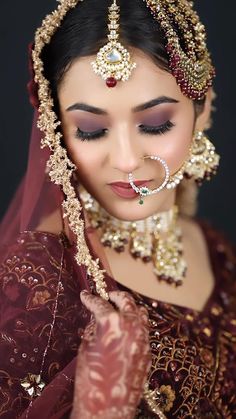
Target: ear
[(202, 121)]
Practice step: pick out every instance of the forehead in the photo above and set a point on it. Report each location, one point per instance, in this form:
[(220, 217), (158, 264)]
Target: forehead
[(146, 82)]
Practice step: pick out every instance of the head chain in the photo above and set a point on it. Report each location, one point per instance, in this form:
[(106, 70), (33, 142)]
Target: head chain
[(189, 59)]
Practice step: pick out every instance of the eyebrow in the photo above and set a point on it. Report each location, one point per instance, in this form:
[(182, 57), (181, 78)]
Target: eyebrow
[(154, 102), (98, 111), (86, 108)]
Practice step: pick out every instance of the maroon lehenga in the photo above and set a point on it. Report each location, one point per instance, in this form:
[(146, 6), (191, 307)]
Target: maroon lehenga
[(194, 353)]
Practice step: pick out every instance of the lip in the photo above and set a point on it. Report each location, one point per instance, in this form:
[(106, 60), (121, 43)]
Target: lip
[(125, 190), (127, 185)]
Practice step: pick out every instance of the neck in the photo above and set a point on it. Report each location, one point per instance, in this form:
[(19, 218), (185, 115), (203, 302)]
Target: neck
[(98, 217), (156, 239)]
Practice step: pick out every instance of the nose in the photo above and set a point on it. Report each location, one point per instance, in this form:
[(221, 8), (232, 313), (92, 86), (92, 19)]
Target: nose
[(125, 152)]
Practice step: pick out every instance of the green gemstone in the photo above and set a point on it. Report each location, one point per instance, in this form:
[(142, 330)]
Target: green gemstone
[(141, 202), (144, 191)]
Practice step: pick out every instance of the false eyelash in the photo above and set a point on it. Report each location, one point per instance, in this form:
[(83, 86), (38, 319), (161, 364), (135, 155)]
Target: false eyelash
[(157, 130), (90, 136)]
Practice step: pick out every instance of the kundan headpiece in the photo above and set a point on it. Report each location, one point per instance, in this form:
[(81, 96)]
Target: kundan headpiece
[(185, 35), (189, 59), (113, 61)]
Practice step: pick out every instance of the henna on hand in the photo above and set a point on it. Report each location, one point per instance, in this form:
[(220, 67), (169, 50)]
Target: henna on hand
[(113, 360)]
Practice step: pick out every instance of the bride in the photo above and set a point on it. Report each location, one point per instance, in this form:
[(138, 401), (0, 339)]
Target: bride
[(116, 301)]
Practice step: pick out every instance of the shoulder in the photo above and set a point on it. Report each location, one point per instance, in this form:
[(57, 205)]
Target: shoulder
[(24, 311), (216, 246), (37, 287), (29, 244), (204, 233), (218, 243), (27, 264), (37, 270), (28, 278)]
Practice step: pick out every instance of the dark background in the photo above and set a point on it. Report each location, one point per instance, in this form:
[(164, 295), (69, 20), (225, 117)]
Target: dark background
[(18, 22)]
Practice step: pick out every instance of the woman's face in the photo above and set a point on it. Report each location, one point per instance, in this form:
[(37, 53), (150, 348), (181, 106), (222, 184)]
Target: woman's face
[(109, 131)]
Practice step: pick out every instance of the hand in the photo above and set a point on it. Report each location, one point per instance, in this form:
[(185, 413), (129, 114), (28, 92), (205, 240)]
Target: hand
[(114, 359)]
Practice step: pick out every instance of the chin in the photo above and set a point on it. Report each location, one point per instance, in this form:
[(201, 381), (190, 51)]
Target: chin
[(131, 210)]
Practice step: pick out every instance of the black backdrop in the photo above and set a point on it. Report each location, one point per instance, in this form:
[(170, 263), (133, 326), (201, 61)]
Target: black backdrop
[(18, 22)]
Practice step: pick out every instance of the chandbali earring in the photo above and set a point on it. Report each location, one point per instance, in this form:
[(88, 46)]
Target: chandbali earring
[(202, 163), (113, 61), (144, 190)]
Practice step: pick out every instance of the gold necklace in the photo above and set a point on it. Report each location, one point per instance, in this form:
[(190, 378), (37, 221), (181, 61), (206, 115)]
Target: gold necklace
[(156, 239)]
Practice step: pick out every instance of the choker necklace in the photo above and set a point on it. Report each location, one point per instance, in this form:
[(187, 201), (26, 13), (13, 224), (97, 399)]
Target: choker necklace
[(156, 239)]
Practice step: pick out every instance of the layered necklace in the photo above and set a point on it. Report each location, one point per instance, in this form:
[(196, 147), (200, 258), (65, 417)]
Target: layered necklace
[(156, 239)]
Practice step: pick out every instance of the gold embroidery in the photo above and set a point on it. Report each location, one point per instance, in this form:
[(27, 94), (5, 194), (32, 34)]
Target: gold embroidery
[(33, 385), (40, 298), (60, 166)]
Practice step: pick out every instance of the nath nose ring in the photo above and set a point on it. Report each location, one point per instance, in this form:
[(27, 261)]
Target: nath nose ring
[(144, 190)]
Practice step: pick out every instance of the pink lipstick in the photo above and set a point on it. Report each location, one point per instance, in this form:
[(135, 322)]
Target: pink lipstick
[(125, 190)]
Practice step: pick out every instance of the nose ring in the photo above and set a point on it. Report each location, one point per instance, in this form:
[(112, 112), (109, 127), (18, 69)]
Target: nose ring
[(144, 190)]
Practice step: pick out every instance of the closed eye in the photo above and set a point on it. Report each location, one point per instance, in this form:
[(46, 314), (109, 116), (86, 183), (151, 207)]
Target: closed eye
[(89, 136), (145, 129), (156, 130)]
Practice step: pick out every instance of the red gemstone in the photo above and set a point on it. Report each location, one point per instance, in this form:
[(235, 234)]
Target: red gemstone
[(136, 255), (170, 281), (147, 259), (169, 48), (120, 249), (187, 176), (107, 243), (111, 82), (178, 283), (176, 58)]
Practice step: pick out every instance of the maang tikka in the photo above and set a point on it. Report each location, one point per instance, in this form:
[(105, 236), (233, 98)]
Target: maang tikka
[(113, 62)]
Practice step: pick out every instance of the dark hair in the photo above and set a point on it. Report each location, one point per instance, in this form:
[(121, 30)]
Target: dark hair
[(84, 31)]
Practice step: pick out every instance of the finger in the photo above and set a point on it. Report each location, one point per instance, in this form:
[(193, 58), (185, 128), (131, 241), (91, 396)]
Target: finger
[(89, 331), (95, 304), (124, 301), (144, 315)]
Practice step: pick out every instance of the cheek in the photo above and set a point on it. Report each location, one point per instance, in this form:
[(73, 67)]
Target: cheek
[(179, 151), (87, 158), (83, 155), (175, 147)]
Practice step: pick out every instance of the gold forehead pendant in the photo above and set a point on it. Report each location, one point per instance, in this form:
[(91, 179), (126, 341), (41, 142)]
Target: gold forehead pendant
[(113, 62)]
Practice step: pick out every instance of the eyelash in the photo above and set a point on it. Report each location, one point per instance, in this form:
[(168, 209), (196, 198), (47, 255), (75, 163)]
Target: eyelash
[(162, 129), (90, 136)]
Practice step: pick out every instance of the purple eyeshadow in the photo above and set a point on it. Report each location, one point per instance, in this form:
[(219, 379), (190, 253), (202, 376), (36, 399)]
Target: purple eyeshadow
[(155, 120), (89, 126)]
